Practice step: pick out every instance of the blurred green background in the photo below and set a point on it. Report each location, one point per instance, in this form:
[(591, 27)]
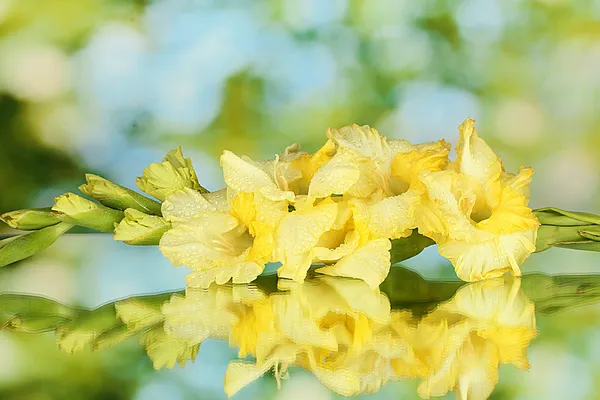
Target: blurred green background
[(109, 86)]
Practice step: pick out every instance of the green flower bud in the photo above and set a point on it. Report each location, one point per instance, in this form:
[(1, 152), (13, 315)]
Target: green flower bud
[(558, 217), (20, 247), (76, 210), (141, 229), (174, 173), (116, 196), (29, 220), (567, 229)]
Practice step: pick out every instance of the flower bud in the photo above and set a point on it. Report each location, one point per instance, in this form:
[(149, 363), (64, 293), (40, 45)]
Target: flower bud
[(140, 229), (20, 247), (567, 229), (31, 219), (76, 210), (115, 196), (175, 172)]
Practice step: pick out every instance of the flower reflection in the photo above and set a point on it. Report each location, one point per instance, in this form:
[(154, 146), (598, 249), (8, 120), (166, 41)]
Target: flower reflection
[(346, 334), (449, 335)]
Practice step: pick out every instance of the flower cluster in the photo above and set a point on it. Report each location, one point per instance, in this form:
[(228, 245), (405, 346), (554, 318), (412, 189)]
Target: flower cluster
[(339, 208), (347, 335)]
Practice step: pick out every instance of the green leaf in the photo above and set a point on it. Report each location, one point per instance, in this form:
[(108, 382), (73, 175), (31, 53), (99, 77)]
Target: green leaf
[(405, 248), (31, 219), (23, 246)]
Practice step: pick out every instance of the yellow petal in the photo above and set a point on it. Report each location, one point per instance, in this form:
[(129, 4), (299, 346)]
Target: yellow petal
[(209, 239), (245, 175), (243, 207), (186, 203), (240, 374), (474, 261), (175, 172), (365, 140), (325, 254), (370, 263), (335, 177), (475, 157), (371, 179), (296, 236), (244, 272), (406, 166), (390, 218), (309, 164)]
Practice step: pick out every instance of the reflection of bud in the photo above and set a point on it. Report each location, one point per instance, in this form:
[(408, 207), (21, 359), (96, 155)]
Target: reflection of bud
[(31, 219), (21, 247), (175, 172), (76, 210), (115, 196), (138, 228)]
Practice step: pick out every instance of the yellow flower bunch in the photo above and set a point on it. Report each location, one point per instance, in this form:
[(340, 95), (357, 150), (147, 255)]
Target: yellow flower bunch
[(339, 208)]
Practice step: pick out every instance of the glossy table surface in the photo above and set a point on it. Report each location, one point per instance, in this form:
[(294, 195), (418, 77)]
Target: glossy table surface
[(92, 318)]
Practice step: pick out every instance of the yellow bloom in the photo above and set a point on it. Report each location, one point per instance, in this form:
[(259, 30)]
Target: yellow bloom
[(175, 172), (378, 179), (478, 213), (220, 244), (361, 165)]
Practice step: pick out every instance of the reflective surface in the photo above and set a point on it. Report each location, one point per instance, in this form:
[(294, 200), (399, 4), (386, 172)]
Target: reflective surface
[(411, 338)]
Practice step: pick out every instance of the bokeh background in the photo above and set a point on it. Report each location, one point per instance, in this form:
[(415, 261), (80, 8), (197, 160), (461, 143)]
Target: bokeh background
[(109, 86)]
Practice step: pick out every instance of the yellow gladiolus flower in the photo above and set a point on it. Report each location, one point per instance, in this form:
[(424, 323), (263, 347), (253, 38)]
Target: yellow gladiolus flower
[(217, 241), (478, 213)]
